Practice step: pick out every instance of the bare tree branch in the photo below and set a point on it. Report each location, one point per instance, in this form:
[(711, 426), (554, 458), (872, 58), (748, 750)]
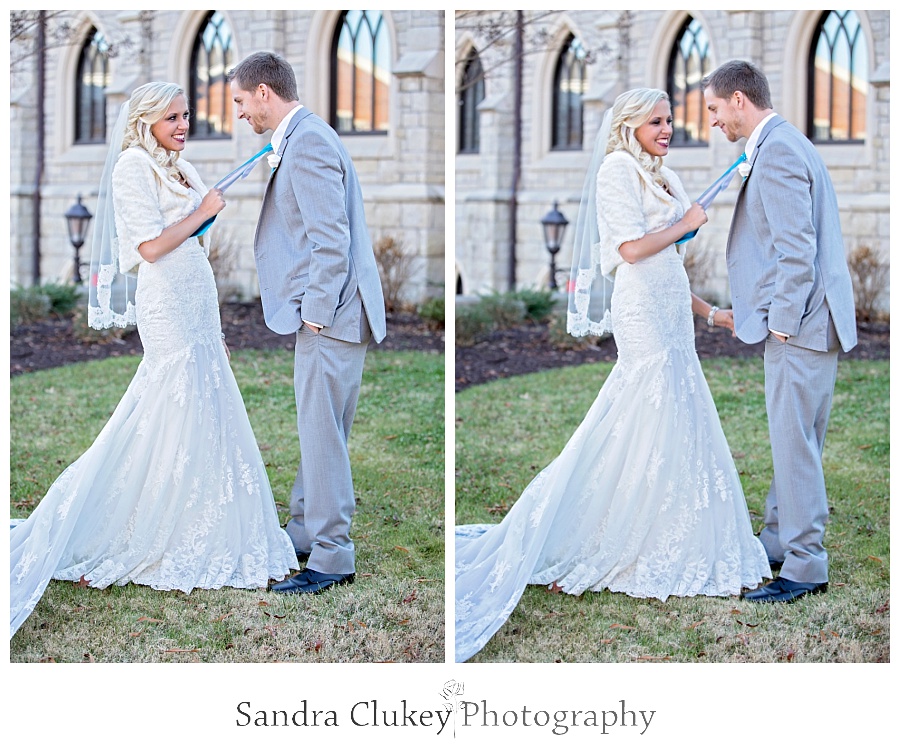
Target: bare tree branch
[(496, 28), (23, 30), (60, 32)]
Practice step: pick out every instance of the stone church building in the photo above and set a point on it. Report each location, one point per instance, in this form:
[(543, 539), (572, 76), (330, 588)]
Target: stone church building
[(526, 122), (376, 76)]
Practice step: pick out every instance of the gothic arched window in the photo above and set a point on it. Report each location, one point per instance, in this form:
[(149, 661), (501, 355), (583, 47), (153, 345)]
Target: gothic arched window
[(470, 95), (569, 85), (688, 64), (90, 90), (210, 99), (360, 73), (838, 79)]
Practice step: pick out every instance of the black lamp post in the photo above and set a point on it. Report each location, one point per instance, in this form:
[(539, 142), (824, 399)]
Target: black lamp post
[(554, 223), (78, 217)]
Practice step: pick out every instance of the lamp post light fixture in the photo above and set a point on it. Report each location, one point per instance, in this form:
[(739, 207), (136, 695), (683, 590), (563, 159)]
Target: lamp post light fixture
[(554, 223), (78, 217)]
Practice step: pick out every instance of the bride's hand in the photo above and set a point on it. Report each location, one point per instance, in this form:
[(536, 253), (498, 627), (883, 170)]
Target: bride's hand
[(213, 203), (694, 217)]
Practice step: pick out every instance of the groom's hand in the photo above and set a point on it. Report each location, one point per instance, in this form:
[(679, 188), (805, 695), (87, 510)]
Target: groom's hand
[(315, 328)]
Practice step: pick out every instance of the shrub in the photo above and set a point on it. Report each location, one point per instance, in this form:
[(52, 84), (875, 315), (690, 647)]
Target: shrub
[(394, 268), (870, 275), (503, 309), (560, 338), (700, 264), (223, 255), (472, 323), (28, 305), (539, 303), (64, 297), (432, 311), (84, 333)]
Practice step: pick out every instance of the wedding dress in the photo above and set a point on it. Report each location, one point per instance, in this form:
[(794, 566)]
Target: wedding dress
[(644, 498), (173, 493)]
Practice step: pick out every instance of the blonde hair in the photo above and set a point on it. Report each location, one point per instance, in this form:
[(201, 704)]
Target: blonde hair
[(147, 106), (631, 110)]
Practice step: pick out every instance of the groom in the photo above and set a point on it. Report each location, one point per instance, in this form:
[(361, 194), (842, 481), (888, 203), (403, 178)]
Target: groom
[(318, 279), (791, 287)]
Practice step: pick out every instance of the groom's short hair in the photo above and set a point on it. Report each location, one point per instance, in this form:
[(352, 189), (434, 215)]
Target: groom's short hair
[(739, 76), (269, 69)]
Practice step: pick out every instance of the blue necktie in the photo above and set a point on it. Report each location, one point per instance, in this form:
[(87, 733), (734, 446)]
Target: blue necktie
[(241, 171), (716, 188)]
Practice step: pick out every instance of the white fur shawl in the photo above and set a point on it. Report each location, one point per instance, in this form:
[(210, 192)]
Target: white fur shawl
[(630, 205), (147, 202)]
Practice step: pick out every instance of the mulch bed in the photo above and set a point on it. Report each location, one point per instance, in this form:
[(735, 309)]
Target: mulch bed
[(52, 343), (528, 348), (505, 353)]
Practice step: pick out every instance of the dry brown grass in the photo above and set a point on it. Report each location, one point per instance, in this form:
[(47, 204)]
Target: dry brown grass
[(508, 430), (394, 612)]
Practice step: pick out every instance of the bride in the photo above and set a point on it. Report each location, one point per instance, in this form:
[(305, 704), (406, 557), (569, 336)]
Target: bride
[(644, 498), (173, 493)]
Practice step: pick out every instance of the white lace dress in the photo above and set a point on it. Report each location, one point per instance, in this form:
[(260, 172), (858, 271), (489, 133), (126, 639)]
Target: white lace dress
[(173, 493), (644, 498)]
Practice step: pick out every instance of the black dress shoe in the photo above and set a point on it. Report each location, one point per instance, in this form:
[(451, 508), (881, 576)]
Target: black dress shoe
[(784, 590), (288, 585), (309, 581), (302, 557), (775, 565)]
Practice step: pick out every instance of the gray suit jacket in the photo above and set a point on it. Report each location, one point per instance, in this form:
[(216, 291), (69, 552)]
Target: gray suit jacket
[(313, 253), (786, 259)]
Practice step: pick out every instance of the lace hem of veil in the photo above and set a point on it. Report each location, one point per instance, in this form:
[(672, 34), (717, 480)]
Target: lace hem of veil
[(587, 294), (110, 292), (578, 322), (104, 316)]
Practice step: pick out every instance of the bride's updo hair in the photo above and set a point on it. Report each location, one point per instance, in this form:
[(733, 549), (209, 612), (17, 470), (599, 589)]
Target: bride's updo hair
[(148, 105), (631, 110)]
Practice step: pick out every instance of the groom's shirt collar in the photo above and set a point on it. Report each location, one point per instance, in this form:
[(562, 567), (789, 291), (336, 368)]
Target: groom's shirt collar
[(278, 134), (751, 142)]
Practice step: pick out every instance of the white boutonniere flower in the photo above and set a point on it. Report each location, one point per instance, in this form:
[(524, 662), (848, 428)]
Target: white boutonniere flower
[(744, 169), (274, 159)]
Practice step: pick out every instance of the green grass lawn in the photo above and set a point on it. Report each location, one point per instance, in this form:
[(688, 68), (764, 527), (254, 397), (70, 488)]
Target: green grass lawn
[(508, 430), (393, 613)]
